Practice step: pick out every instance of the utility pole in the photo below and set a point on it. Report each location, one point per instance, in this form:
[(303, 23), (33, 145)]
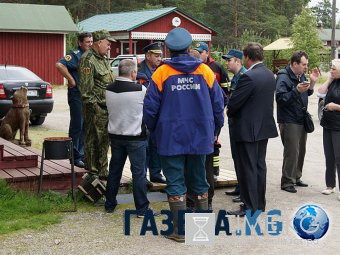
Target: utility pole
[(333, 46)]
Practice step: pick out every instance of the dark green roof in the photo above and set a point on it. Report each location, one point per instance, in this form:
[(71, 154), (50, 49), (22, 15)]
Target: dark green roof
[(33, 17), (126, 21), (326, 34)]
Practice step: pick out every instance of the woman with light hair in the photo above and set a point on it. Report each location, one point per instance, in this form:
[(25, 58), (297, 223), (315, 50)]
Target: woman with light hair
[(330, 122)]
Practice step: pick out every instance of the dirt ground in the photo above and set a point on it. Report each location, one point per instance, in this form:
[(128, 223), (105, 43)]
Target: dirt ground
[(95, 232)]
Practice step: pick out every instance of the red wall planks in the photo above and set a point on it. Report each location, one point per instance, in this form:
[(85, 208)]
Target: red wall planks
[(36, 51)]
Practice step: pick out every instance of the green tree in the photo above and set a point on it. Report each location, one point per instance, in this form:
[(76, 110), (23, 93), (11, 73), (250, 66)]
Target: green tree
[(323, 13), (230, 18), (306, 37)]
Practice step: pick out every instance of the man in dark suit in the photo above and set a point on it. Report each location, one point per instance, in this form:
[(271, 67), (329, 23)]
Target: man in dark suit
[(251, 107)]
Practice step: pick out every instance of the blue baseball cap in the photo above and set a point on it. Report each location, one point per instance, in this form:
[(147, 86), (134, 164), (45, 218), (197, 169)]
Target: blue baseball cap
[(178, 39), (233, 54), (201, 46)]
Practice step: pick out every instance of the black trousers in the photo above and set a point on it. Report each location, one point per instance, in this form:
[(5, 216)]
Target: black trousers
[(251, 160), (233, 154), (209, 170), (331, 146)]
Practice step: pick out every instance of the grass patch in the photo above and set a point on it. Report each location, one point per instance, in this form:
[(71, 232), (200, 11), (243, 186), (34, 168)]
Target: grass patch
[(59, 86), (24, 210), (38, 133)]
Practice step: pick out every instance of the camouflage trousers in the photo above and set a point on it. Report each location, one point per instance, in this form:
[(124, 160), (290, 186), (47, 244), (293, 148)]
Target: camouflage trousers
[(96, 139)]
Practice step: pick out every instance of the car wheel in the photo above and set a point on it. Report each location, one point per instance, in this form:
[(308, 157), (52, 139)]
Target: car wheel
[(37, 120), (320, 108)]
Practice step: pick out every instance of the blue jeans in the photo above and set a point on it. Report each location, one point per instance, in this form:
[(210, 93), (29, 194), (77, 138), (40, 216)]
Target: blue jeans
[(76, 128), (136, 150), (177, 168), (153, 161)]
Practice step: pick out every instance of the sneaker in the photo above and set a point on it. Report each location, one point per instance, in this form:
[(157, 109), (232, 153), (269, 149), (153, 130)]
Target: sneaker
[(328, 191), (79, 164), (142, 214)]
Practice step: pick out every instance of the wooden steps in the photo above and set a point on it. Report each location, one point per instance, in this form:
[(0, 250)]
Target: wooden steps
[(19, 171), (13, 156)]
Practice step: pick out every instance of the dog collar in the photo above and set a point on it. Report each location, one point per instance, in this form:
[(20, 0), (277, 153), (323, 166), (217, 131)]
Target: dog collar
[(20, 105)]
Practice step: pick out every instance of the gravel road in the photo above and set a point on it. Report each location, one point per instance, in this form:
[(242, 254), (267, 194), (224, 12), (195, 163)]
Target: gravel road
[(95, 232)]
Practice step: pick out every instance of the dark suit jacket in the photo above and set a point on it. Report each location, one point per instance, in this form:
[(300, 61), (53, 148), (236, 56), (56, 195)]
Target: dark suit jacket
[(251, 105)]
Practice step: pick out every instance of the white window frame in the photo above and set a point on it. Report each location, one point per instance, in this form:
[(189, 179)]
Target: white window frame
[(134, 46)]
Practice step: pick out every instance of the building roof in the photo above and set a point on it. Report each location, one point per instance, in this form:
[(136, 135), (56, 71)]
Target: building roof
[(35, 18), (127, 21), (280, 44), (326, 34)]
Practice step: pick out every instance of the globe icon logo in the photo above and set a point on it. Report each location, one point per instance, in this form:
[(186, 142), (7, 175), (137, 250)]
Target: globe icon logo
[(311, 222)]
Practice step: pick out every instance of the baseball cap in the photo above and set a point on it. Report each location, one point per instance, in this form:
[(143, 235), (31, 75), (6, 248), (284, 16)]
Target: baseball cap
[(233, 54), (201, 46)]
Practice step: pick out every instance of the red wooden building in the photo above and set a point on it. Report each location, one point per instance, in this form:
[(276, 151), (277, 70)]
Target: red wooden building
[(34, 36), (136, 29)]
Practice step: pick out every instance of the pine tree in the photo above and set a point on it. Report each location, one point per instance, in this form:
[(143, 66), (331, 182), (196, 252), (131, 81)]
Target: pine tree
[(306, 37)]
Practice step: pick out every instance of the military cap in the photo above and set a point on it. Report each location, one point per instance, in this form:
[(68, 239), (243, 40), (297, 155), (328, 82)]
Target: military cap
[(201, 46), (153, 48), (233, 54), (178, 39), (101, 35)]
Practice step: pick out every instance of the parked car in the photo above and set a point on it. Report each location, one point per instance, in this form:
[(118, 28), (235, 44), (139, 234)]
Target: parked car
[(115, 62), (39, 93)]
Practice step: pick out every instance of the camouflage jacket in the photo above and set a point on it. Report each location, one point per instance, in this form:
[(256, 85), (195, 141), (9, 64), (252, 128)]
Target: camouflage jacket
[(95, 75)]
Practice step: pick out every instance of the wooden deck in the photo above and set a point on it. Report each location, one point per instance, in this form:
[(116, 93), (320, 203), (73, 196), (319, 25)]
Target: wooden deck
[(227, 178), (20, 167)]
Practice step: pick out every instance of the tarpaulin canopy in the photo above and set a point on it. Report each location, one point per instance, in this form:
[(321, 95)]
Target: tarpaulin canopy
[(280, 44)]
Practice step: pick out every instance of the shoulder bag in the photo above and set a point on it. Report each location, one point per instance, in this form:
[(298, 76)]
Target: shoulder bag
[(307, 117)]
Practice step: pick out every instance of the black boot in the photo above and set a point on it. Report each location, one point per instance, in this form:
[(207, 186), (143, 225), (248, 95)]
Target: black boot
[(175, 207), (201, 204), (190, 202)]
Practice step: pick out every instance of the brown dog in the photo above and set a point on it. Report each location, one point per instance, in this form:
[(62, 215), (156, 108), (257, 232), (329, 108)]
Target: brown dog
[(17, 118)]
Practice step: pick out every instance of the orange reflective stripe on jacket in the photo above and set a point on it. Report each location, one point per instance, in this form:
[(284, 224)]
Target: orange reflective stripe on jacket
[(165, 71)]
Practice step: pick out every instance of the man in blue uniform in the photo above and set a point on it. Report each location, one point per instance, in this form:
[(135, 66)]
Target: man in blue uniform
[(68, 67), (153, 57), (234, 64), (184, 106)]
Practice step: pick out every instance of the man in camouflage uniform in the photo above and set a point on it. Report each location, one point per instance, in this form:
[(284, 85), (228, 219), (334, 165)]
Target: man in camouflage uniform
[(68, 68), (95, 75)]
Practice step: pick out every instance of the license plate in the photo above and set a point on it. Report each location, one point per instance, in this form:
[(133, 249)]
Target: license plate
[(32, 93)]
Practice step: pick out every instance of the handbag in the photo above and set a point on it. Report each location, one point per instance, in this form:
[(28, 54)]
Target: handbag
[(307, 117)]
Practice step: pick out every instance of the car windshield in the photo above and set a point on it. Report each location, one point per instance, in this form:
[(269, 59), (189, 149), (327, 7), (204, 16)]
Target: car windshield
[(17, 74)]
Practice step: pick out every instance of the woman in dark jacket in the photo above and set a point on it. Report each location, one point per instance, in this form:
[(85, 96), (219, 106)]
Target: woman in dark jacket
[(331, 127)]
